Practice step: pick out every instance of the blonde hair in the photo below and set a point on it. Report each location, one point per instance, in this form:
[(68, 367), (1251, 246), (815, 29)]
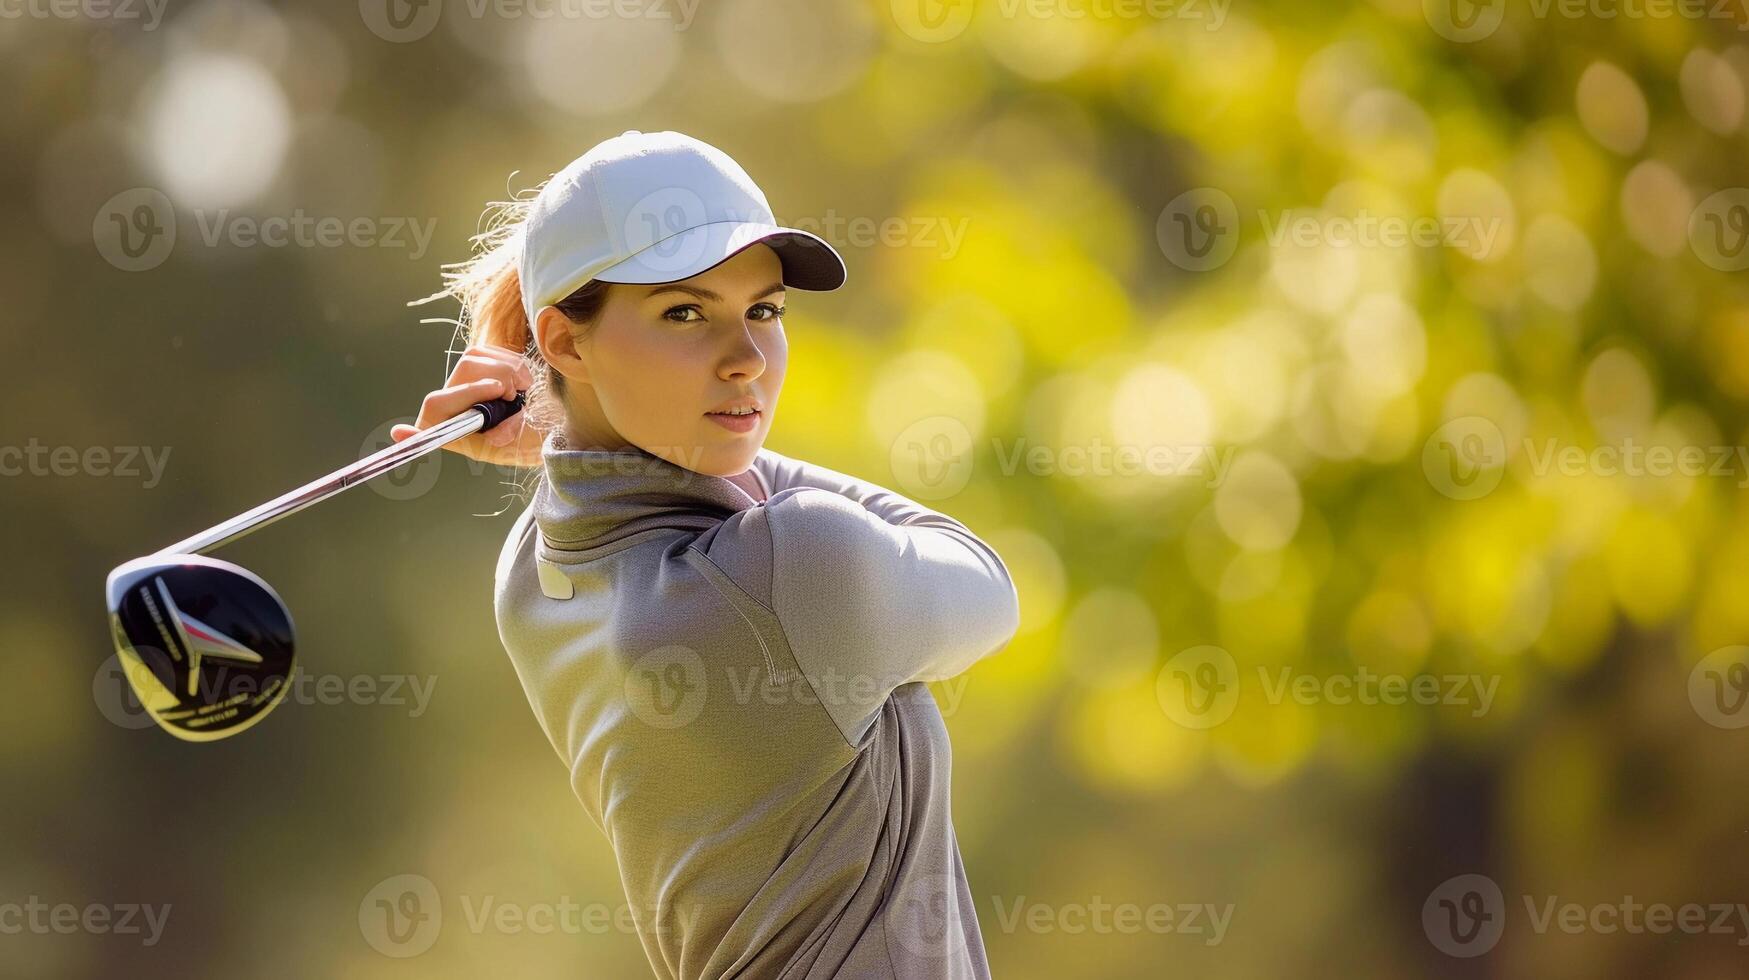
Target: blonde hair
[(489, 289)]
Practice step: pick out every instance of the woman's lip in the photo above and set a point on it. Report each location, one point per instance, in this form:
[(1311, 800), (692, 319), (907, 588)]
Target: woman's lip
[(734, 423)]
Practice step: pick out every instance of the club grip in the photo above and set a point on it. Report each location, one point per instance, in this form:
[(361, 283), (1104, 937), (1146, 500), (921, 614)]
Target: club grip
[(497, 410)]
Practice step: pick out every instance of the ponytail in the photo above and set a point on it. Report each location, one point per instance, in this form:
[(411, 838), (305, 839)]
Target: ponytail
[(489, 289)]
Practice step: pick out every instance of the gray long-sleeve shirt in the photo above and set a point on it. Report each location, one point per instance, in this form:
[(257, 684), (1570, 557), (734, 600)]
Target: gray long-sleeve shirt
[(735, 685)]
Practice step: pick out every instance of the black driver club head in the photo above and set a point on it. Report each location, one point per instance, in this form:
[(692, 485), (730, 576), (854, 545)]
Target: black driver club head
[(206, 645)]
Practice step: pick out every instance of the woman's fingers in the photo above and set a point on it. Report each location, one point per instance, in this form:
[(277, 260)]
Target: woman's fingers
[(482, 373), (500, 355), (474, 367), (446, 403)]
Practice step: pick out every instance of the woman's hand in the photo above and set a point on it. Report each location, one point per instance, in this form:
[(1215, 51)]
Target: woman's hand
[(484, 372)]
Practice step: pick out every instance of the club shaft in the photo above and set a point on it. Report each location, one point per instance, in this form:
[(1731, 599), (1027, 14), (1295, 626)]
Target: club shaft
[(377, 463)]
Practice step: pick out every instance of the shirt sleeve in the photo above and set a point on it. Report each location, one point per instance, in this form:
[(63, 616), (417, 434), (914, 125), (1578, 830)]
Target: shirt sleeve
[(872, 589), (782, 473)]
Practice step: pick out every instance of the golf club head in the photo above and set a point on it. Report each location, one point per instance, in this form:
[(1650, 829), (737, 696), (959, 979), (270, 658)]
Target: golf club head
[(206, 645)]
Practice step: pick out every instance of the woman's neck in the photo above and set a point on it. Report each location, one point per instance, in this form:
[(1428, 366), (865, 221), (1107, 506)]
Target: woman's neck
[(749, 482)]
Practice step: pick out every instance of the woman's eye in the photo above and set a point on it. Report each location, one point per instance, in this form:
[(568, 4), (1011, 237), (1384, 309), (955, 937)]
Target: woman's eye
[(691, 313)]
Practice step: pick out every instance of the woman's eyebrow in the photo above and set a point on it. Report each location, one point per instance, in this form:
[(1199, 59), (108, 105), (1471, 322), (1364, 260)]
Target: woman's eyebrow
[(702, 293)]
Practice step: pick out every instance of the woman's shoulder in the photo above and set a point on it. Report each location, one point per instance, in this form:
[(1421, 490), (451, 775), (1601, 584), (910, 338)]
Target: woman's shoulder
[(521, 530)]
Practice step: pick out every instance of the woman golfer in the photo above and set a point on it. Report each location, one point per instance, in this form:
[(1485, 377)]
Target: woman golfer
[(724, 645)]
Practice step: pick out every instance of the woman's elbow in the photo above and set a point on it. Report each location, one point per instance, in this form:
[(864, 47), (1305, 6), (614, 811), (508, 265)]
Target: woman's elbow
[(1005, 618)]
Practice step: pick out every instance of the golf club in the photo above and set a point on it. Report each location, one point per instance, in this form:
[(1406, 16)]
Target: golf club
[(206, 645)]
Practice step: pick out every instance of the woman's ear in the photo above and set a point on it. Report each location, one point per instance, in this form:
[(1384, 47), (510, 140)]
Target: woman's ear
[(554, 335)]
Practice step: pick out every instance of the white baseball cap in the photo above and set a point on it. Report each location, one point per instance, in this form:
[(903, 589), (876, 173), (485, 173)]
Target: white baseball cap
[(651, 208)]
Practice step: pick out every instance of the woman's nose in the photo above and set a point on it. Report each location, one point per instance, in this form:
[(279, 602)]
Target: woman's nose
[(744, 359)]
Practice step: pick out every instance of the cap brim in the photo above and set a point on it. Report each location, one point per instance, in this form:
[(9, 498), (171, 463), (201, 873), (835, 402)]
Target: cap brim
[(809, 261)]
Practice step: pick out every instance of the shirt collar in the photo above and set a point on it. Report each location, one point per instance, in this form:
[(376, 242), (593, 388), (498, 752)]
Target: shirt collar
[(591, 498)]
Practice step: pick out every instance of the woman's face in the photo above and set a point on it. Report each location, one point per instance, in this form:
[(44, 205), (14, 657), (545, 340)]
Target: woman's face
[(663, 359)]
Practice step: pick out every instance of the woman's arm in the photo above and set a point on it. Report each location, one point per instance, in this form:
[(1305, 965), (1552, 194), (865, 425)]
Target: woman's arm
[(942, 556), (782, 473), (872, 590)]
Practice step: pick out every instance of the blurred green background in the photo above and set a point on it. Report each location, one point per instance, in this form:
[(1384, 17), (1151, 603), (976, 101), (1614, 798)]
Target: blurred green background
[(1431, 316)]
